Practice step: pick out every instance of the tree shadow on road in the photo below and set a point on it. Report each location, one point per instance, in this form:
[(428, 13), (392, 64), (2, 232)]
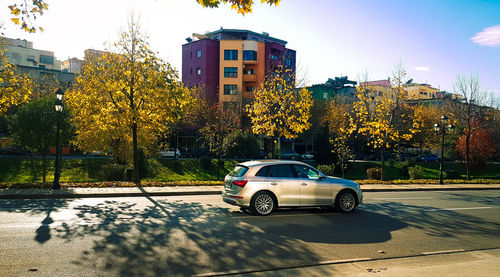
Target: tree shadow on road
[(172, 238), (436, 222), (482, 199), (176, 238), (36, 207)]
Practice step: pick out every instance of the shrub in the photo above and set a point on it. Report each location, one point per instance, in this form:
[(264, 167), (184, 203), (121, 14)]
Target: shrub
[(416, 172), (452, 174), (411, 162), (240, 145), (391, 162), (327, 169), (205, 162), (113, 172), (403, 172), (374, 173)]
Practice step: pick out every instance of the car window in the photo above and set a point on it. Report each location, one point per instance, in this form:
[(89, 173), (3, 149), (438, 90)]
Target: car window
[(303, 171), (263, 172), (238, 171), (282, 170)]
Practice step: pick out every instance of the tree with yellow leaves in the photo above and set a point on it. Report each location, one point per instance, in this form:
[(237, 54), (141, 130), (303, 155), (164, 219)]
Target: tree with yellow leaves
[(241, 6), (14, 89), (381, 118), (340, 132), (25, 13), (279, 109), (122, 101), (425, 117)]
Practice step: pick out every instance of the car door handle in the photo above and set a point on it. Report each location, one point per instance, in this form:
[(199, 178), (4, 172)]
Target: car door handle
[(303, 184), (274, 183)]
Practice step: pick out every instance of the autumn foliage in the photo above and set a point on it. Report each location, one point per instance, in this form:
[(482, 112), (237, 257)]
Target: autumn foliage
[(123, 100), (14, 89), (481, 147), (279, 109)]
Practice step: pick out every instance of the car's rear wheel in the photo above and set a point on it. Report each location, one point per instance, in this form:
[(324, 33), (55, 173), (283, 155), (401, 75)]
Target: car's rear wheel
[(346, 202), (262, 203)]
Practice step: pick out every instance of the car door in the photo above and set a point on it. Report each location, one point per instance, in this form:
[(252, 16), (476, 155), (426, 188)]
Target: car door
[(313, 189), (284, 185)]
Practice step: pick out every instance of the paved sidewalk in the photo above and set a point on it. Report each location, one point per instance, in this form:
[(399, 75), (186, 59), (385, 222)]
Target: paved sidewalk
[(205, 190)]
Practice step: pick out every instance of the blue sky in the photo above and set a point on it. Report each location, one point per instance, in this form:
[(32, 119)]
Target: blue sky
[(332, 37)]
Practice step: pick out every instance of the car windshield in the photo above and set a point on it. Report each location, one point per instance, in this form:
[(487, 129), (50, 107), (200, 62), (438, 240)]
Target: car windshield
[(238, 171)]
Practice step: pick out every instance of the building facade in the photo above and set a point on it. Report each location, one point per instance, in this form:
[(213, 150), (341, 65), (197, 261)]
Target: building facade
[(35, 63), (229, 64), (72, 65), (420, 91), (21, 53)]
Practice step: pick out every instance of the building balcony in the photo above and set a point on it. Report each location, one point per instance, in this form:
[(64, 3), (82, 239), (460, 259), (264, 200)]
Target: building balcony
[(249, 62), (249, 78)]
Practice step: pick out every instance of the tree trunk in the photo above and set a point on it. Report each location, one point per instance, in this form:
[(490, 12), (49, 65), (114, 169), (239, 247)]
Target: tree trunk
[(33, 171), (467, 157), (272, 148), (218, 167), (342, 164), (382, 163), (44, 167), (137, 175), (278, 144)]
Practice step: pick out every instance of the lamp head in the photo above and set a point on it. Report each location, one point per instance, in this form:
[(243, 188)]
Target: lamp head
[(437, 127), (58, 105), (59, 94)]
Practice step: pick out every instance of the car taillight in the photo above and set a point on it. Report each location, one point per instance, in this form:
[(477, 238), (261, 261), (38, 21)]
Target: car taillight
[(240, 183)]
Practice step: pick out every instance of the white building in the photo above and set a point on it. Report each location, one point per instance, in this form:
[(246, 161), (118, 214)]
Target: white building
[(21, 53)]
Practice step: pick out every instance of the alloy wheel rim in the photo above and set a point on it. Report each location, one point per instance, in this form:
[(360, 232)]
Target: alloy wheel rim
[(264, 204), (347, 202)]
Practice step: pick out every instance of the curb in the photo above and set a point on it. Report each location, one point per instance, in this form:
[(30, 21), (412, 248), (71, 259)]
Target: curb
[(215, 192), (104, 195)]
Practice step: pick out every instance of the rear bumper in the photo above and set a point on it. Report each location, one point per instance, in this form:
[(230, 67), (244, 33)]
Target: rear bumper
[(235, 200)]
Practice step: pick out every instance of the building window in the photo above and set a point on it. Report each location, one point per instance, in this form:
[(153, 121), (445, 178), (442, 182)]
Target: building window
[(249, 55), (230, 89), (230, 72), (46, 59), (273, 57), (250, 88), (288, 62), (230, 55), (198, 71), (250, 71), (198, 53)]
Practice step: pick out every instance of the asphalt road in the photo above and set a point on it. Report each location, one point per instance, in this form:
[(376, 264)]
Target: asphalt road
[(189, 235)]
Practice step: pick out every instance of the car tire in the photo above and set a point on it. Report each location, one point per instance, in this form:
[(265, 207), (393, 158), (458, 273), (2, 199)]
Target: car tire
[(345, 202), (262, 203)]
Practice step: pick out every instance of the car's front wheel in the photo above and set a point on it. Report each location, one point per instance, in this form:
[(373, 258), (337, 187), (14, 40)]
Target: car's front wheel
[(346, 202), (262, 203)]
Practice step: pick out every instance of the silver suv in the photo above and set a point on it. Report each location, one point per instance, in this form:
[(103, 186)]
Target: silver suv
[(262, 186)]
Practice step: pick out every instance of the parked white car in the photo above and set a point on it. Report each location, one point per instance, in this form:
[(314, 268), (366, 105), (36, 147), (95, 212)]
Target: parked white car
[(170, 153)]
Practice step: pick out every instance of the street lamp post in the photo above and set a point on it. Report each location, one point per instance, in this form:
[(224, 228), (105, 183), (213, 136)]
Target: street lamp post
[(58, 104), (442, 128)]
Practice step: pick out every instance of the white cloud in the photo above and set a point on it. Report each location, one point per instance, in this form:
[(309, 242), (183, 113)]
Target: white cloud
[(421, 68), (488, 37)]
